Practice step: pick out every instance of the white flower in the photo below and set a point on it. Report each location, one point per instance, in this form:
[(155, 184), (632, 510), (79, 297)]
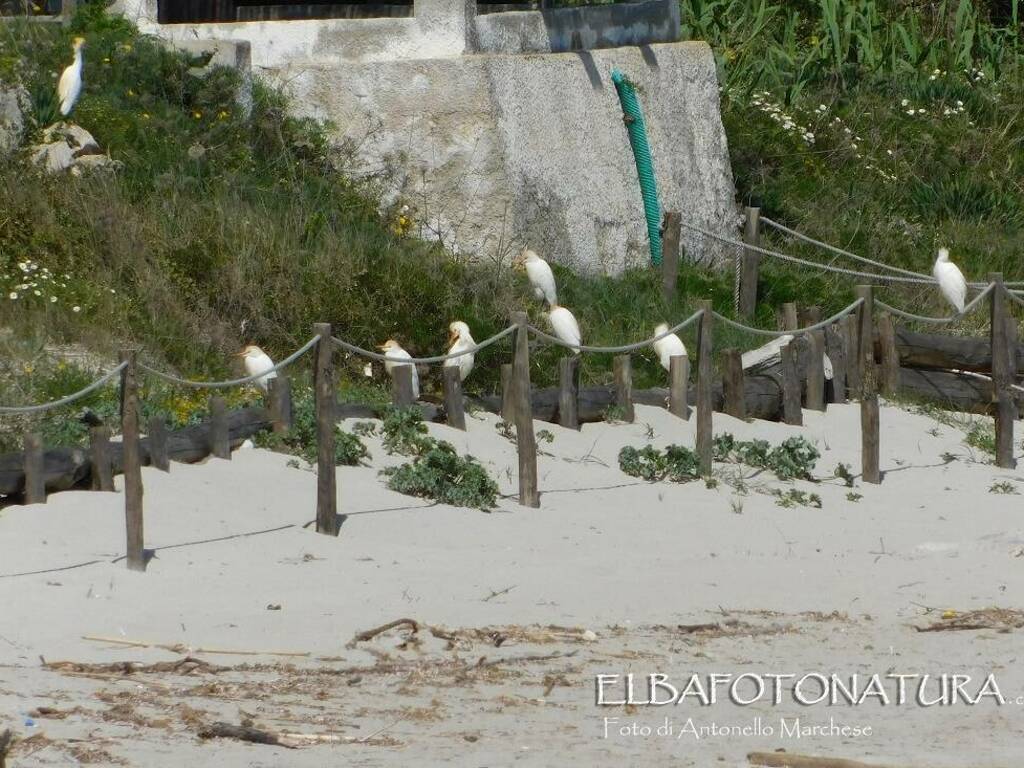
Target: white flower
[(53, 299), (76, 308), (853, 146), (910, 112), (12, 295), (920, 111), (905, 103), (889, 152), (37, 292)]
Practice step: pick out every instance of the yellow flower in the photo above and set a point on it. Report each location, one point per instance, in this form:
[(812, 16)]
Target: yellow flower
[(106, 59), (145, 115), (197, 114), (131, 92), (222, 115)]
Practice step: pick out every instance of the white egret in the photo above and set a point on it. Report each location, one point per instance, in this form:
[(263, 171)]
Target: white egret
[(668, 347), (396, 356), (256, 361), (70, 84), (460, 340), (951, 280), (565, 326), (540, 276)]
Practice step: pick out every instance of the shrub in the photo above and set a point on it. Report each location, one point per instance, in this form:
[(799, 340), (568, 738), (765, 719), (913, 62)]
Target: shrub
[(439, 473), (301, 439), (404, 431), (675, 463), (793, 459)]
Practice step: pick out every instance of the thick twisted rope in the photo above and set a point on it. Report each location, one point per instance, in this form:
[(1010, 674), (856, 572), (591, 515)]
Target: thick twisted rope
[(22, 409), (615, 350), (422, 360), (1015, 298), (938, 320), (232, 382), (796, 332)]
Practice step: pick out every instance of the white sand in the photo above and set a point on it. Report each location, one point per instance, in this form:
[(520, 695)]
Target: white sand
[(626, 559)]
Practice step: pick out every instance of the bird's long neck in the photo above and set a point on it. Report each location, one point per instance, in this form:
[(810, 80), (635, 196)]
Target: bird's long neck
[(78, 57)]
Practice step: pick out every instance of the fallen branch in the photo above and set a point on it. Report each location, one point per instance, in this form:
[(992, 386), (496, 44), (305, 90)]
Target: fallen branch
[(369, 634), (221, 730), (786, 760), (499, 593)]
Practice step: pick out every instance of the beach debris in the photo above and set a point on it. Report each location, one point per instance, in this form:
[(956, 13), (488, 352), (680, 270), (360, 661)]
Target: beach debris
[(369, 634), (221, 730), (249, 733), (187, 665), (589, 635), (784, 759), (999, 619), (6, 739), (182, 648), (498, 593)]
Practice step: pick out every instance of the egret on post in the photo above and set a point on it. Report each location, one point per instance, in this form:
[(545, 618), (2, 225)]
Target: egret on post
[(951, 280), (668, 347), (394, 356), (539, 273), (70, 84), (256, 361), (460, 340), (564, 324)]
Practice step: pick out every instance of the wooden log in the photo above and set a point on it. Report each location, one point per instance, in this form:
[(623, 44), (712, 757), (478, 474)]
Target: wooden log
[(939, 351), (835, 348), (869, 420), (508, 406), (157, 435), (135, 555), (791, 380), (402, 394), (220, 445), (1003, 411), (750, 263), (526, 441), (35, 477), (732, 383), (671, 232), (101, 473), (790, 321), (568, 391), (815, 397), (453, 405), (705, 376), (678, 382), (623, 371), (326, 474), (851, 343), (889, 358), (279, 402)]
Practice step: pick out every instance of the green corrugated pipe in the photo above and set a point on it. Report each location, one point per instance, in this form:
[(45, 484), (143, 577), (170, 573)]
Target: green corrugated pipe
[(634, 119)]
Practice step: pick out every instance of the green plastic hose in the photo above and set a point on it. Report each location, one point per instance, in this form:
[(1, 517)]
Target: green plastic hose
[(634, 119)]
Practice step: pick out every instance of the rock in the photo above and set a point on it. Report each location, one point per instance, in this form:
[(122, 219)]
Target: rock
[(55, 157), (69, 147), (14, 104), (590, 635)]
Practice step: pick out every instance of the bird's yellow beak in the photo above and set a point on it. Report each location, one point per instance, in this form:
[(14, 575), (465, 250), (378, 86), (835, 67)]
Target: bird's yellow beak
[(382, 346), (239, 354), (453, 336)]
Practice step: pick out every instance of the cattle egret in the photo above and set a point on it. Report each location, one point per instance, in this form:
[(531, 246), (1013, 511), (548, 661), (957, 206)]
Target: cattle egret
[(668, 347), (396, 356), (70, 83), (460, 340), (540, 276), (951, 280), (256, 361), (565, 326)]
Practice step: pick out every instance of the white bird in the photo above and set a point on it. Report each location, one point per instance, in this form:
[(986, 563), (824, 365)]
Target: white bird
[(951, 280), (540, 276), (70, 84), (256, 361), (393, 352), (668, 347), (460, 340), (565, 326)]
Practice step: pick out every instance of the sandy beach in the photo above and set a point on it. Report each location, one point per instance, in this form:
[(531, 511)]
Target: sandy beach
[(518, 610)]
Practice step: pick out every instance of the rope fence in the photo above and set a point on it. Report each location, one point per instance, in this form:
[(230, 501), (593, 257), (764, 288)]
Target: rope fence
[(970, 307), (796, 331), (423, 360), (616, 350), (24, 409)]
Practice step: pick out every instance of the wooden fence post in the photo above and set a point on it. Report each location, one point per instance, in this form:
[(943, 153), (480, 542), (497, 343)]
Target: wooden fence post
[(678, 381), (279, 395), (526, 441), (622, 368), (835, 349), (1005, 410), (705, 376), (157, 434), (890, 377), (35, 469), (750, 262), (401, 386), (101, 472), (869, 423), (67, 11), (848, 332), (508, 403), (220, 440), (816, 362), (568, 392), (788, 320), (132, 465), (326, 474), (671, 235), (732, 383), (454, 408), (791, 386)]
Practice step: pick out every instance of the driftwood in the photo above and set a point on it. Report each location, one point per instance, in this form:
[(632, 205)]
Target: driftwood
[(221, 730), (933, 350)]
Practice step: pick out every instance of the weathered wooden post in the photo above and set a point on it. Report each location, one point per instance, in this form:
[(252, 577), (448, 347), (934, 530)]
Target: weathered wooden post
[(132, 465), (157, 434), (890, 377), (568, 392), (220, 439), (508, 403), (836, 351), (67, 11), (671, 234), (526, 441), (35, 469), (402, 394), (869, 425), (750, 263), (102, 473), (705, 376), (678, 381), (791, 386), (732, 383), (454, 408), (622, 368), (1004, 408), (326, 474), (816, 362), (850, 336), (279, 397)]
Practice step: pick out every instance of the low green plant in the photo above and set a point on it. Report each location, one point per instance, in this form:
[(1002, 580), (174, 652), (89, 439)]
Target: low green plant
[(439, 473), (404, 431), (301, 439), (844, 473), (854, 497), (1003, 486), (545, 436), (675, 463), (982, 436), (793, 497), (793, 459)]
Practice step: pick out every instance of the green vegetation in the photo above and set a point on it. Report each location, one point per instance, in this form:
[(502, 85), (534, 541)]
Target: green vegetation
[(301, 441)]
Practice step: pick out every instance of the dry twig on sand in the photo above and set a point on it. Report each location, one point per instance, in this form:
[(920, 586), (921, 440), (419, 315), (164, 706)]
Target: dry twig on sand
[(786, 760), (369, 634), (999, 619), (184, 666)]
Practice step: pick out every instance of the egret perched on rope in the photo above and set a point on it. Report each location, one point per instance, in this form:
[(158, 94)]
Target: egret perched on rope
[(951, 280), (540, 275), (257, 361), (668, 347), (396, 356), (70, 84), (565, 326), (460, 340)]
